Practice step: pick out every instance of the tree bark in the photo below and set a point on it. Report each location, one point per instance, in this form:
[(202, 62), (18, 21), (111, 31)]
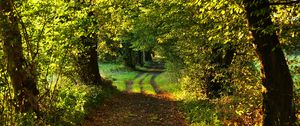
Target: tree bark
[(148, 56), (278, 97), (22, 73), (128, 56), (140, 58), (88, 62)]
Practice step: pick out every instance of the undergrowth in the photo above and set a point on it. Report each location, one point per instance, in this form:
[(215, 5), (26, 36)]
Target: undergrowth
[(66, 104), (244, 107)]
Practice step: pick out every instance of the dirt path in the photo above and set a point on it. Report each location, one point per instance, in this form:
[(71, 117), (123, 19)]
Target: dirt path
[(136, 109)]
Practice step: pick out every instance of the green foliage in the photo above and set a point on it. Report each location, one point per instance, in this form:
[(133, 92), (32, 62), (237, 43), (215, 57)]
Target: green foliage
[(73, 103), (51, 32), (67, 104), (185, 33), (168, 83), (294, 64), (201, 113)]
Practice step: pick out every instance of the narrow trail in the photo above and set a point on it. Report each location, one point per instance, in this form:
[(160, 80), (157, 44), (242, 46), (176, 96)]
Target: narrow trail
[(141, 77), (136, 109)]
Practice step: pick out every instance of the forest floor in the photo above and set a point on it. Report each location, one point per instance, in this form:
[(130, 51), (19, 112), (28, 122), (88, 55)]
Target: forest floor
[(131, 108)]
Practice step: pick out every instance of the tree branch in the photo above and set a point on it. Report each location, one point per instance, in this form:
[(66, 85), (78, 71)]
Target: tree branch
[(39, 37), (24, 30), (286, 2)]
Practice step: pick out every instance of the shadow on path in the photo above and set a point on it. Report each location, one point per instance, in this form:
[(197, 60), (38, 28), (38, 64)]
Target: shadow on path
[(129, 83), (141, 82), (136, 109), (154, 84)]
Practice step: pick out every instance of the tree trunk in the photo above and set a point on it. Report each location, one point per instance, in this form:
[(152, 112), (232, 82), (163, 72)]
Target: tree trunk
[(140, 58), (213, 88), (229, 54), (88, 62), (278, 97), (128, 56), (148, 56), (22, 73)]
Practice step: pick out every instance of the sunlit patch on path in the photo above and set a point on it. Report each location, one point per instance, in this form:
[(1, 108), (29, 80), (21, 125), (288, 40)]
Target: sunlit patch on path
[(129, 83), (141, 82), (140, 79)]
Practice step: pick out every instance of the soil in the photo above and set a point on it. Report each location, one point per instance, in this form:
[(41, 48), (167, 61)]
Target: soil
[(136, 109)]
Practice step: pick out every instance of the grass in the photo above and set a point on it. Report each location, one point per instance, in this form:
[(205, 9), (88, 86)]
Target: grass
[(119, 74), (66, 105), (149, 69), (167, 83), (146, 84), (148, 88)]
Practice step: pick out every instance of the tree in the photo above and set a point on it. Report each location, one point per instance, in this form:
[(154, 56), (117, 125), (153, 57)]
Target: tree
[(128, 56), (22, 73), (87, 59), (79, 26), (278, 95)]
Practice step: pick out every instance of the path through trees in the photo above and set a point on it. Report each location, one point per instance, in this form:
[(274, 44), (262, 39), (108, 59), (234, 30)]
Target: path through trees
[(137, 109)]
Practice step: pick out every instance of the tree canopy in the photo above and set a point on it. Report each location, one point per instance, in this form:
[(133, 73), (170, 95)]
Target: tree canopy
[(247, 51)]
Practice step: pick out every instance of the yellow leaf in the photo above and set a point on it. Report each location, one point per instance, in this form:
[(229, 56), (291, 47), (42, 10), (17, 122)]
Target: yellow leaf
[(223, 12)]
